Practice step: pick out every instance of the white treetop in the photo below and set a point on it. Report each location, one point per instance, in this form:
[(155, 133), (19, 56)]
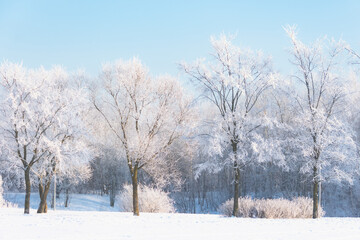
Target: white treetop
[(41, 115), (321, 91), (145, 114), (234, 80), (41, 120)]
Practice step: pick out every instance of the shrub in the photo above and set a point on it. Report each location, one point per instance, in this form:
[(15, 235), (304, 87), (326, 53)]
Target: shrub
[(1, 192), (150, 200), (300, 207), (4, 203)]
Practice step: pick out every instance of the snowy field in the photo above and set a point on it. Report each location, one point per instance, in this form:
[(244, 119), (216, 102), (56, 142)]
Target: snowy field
[(116, 225), (91, 217), (78, 202)]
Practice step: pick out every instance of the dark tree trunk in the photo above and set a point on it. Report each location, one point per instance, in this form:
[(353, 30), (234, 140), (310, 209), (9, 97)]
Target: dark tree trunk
[(135, 192), (112, 200), (67, 197), (58, 191), (52, 201), (43, 197), (236, 182), (236, 190), (41, 190), (112, 194), (316, 194), (28, 191)]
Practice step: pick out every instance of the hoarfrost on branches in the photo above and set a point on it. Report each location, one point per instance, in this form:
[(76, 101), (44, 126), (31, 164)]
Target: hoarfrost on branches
[(146, 115), (324, 137), (40, 124), (235, 81)]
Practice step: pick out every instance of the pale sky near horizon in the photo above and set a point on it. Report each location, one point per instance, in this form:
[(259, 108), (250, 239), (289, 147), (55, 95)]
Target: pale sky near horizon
[(85, 34)]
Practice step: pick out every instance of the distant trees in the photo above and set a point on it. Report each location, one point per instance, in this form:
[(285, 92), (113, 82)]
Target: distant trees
[(109, 169), (108, 173), (145, 115)]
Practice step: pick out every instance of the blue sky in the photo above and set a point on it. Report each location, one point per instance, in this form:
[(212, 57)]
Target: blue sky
[(85, 34)]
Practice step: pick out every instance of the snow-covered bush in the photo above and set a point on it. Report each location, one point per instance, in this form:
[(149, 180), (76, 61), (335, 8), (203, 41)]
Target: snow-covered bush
[(245, 204), (300, 207), (4, 203), (1, 192), (150, 200)]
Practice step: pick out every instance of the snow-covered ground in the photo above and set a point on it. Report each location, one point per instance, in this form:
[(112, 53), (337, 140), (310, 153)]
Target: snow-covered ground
[(116, 225), (90, 217)]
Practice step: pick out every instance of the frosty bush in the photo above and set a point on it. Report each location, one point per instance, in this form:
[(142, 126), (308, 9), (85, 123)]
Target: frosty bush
[(4, 203), (150, 200), (1, 193), (300, 207)]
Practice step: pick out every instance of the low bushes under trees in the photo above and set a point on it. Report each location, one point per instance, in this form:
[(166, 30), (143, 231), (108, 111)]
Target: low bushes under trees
[(4, 203), (1, 193), (300, 207), (150, 200)]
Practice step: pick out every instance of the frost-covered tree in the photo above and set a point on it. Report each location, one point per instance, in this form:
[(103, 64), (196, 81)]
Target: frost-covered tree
[(324, 139), (69, 161), (234, 80), (146, 115), (35, 108), (68, 153)]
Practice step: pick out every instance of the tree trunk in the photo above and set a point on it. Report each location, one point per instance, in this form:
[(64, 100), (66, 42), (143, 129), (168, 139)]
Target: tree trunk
[(316, 194), (67, 197), (236, 182), (43, 197), (52, 201), (236, 190), (135, 192), (112, 194), (41, 192), (58, 190), (28, 191)]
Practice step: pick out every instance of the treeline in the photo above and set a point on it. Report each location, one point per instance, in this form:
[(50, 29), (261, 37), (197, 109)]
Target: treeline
[(249, 131)]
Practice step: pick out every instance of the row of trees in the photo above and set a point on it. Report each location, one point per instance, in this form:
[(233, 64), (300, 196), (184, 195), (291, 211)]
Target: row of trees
[(248, 116), (310, 121)]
